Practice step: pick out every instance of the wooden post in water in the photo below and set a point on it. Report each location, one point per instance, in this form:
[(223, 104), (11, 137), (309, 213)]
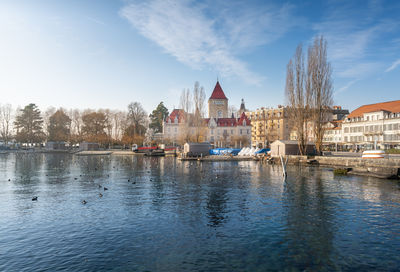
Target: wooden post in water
[(284, 173)]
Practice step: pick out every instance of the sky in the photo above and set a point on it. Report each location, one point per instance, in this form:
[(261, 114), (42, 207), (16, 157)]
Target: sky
[(106, 54)]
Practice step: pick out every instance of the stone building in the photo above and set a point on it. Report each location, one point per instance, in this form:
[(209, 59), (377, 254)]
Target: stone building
[(269, 125), (173, 126), (218, 103), (219, 128)]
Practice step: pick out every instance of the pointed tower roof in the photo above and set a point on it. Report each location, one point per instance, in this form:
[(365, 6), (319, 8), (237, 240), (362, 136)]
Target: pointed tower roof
[(242, 106), (218, 93)]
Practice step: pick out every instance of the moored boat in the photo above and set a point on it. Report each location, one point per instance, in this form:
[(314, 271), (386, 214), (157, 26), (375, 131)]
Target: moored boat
[(373, 154), (155, 152)]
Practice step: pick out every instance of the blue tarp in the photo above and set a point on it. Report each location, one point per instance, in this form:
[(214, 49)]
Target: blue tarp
[(264, 150), (224, 151)]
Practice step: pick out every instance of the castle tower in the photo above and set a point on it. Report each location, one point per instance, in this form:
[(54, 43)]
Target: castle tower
[(242, 108), (218, 103)]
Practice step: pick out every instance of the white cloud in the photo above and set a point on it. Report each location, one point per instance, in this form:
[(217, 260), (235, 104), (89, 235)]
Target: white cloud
[(393, 66), (352, 33), (345, 87), (358, 69), (209, 35), (97, 21)]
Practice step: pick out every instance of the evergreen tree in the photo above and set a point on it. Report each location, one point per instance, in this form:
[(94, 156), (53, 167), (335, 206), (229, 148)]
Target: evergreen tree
[(29, 125), (158, 116)]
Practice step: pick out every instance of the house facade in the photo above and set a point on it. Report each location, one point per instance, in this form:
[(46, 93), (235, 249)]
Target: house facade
[(269, 125), (375, 123)]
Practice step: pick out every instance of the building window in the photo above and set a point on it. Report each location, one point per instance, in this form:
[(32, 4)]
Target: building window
[(241, 132), (219, 114), (232, 131)]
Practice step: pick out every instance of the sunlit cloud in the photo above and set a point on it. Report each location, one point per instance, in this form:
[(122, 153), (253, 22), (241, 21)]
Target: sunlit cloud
[(393, 66), (186, 31)]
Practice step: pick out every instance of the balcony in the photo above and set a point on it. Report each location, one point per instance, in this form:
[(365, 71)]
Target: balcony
[(378, 132)]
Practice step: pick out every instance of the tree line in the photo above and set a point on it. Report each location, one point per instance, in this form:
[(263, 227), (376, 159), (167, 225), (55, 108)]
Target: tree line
[(107, 127)]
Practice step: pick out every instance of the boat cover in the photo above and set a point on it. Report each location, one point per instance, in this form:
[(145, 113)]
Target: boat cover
[(225, 151)]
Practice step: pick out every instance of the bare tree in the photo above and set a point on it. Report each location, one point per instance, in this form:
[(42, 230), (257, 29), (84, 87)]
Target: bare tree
[(46, 119), (76, 125), (185, 104), (232, 111), (137, 117), (199, 98), (185, 101), (118, 119), (298, 97), (320, 86), (5, 122)]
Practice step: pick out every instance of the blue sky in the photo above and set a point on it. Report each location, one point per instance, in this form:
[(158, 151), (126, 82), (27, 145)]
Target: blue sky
[(105, 54)]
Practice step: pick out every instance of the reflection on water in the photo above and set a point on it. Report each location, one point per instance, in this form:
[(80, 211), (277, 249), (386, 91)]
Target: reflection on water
[(163, 214)]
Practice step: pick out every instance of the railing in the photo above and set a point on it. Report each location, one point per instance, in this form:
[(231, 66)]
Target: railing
[(379, 132)]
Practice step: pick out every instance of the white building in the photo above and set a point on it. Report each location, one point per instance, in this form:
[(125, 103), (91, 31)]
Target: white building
[(333, 135), (368, 124)]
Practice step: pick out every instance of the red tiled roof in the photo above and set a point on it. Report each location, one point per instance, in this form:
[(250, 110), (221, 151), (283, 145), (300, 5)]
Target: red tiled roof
[(242, 118), (226, 122), (231, 122), (176, 113), (391, 106), (218, 93)]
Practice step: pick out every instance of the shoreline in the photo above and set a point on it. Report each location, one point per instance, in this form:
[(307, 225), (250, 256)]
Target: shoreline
[(386, 168)]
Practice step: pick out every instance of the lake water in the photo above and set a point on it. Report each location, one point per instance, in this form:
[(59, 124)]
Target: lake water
[(160, 214)]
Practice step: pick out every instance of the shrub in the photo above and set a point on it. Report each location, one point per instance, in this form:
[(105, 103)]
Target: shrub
[(393, 151), (340, 171)]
